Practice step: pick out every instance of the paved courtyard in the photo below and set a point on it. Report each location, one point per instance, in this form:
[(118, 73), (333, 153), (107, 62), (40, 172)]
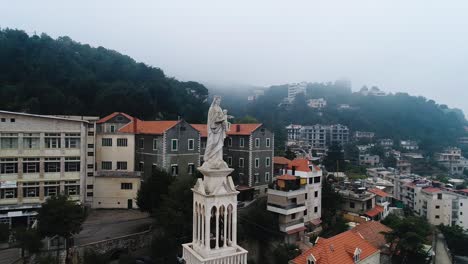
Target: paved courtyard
[(107, 224)]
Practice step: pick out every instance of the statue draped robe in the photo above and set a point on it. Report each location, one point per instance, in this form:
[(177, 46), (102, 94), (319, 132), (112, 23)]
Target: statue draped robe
[(216, 135)]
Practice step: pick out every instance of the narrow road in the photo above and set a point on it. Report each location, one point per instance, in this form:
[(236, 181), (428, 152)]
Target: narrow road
[(7, 256), (441, 254)]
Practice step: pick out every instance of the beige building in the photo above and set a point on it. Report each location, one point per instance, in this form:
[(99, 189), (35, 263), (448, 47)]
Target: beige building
[(41, 156), (116, 182)]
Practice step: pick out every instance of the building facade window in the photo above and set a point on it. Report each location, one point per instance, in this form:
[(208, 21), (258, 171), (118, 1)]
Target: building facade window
[(122, 142), (229, 141), (241, 162), (30, 189), (257, 163), (72, 187), (267, 176), (72, 164), (107, 142), (141, 166), (174, 170), (190, 168), (121, 165), (72, 140), (315, 209), (256, 178), (9, 141), (106, 165), (174, 144), (267, 162), (126, 186), (8, 165), (155, 143), (229, 161), (257, 142), (52, 165), (31, 140), (52, 140), (51, 188), (316, 194), (267, 142), (241, 142), (141, 143), (31, 165), (8, 193), (191, 144), (112, 128)]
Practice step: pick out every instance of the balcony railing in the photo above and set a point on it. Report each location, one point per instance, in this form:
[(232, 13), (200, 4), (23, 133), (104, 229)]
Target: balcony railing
[(118, 173)]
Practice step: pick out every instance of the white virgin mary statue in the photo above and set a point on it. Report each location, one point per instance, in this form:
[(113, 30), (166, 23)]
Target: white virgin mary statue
[(217, 126)]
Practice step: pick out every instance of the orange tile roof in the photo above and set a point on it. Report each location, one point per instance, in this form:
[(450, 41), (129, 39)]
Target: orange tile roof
[(281, 160), (300, 164), (244, 129), (375, 211), (107, 118), (148, 127), (378, 192), (338, 249), (463, 190), (286, 177), (371, 231), (431, 190)]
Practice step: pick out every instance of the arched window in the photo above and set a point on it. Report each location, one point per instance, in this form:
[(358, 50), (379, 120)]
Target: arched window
[(213, 227)]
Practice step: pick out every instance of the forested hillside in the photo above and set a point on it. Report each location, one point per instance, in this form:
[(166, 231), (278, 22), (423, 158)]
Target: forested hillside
[(396, 116), (42, 75)]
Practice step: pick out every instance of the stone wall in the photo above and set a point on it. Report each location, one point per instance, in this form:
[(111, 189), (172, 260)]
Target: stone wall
[(113, 246)]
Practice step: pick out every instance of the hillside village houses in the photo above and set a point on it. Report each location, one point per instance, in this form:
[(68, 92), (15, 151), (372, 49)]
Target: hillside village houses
[(101, 162), (358, 135), (409, 145), (453, 160)]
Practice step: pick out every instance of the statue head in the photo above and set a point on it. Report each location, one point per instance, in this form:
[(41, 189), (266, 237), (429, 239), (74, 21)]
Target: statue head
[(216, 100)]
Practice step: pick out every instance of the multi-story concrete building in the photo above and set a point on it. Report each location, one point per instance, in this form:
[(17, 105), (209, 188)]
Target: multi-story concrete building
[(296, 89), (293, 132), (403, 167), (287, 198), (358, 135), (338, 134), (357, 200), (453, 160), (315, 136), (248, 149), (369, 160), (116, 182), (409, 145), (41, 156), (173, 146), (386, 142), (317, 103)]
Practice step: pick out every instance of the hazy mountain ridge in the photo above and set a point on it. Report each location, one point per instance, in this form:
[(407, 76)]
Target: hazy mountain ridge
[(42, 75)]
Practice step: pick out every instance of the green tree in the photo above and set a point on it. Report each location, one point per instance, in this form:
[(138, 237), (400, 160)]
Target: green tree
[(456, 237), (289, 154), (152, 190), (334, 161), (285, 252), (247, 120), (332, 222), (62, 217), (28, 240), (407, 236)]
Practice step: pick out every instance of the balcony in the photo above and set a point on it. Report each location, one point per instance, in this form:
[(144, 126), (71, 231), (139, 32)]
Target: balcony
[(118, 174), (292, 225), (286, 210), (288, 194)]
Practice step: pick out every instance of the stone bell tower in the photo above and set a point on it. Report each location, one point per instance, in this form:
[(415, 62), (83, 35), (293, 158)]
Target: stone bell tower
[(214, 221)]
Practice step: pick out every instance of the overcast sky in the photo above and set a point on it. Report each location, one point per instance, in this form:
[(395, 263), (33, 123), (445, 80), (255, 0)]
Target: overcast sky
[(414, 46)]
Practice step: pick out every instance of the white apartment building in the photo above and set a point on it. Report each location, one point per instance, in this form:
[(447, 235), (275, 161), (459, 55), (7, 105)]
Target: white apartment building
[(295, 89), (41, 156), (369, 160), (320, 136), (386, 142), (363, 135), (453, 160), (338, 134), (293, 132), (313, 175), (317, 103), (315, 136), (409, 145)]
